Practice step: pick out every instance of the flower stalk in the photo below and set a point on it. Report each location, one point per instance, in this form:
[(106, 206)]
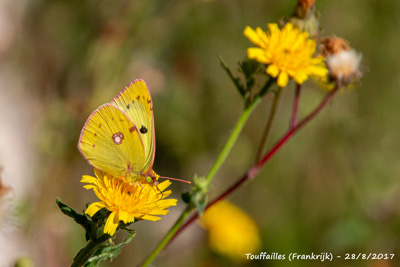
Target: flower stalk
[(168, 236), (256, 168), (211, 174), (232, 138), (295, 111), (271, 119), (83, 256)]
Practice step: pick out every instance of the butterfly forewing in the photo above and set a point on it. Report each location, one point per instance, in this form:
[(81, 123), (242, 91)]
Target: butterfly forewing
[(111, 142), (136, 102)]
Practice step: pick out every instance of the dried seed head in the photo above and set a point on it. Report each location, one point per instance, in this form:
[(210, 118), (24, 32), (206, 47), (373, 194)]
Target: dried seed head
[(343, 62)]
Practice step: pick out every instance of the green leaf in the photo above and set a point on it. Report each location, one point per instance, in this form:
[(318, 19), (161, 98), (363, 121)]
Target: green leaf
[(109, 250), (235, 80), (79, 218)]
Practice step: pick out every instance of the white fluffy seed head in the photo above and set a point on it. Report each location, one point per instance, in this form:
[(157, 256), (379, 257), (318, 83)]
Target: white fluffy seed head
[(344, 66)]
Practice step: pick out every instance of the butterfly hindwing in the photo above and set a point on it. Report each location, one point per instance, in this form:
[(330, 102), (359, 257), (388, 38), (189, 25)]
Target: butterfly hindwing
[(135, 100), (111, 142)]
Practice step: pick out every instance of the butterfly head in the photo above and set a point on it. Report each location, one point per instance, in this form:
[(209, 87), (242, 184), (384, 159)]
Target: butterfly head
[(149, 177)]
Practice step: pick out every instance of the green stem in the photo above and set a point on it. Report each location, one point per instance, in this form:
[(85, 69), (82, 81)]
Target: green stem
[(232, 138), (255, 169), (220, 160), (85, 253), (268, 127), (168, 236)]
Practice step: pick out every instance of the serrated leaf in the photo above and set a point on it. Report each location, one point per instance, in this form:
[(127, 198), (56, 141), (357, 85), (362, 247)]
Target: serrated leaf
[(235, 80)]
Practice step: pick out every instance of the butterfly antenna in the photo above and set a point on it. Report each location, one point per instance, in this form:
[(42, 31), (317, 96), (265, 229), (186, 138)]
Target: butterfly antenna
[(175, 179)]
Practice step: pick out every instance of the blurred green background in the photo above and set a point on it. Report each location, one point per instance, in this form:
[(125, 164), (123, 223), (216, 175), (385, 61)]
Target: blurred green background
[(333, 188)]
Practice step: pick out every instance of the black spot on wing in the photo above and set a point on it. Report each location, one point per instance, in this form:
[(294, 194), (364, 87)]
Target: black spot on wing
[(143, 129)]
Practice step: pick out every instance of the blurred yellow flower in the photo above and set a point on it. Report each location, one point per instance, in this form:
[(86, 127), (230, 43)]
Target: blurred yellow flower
[(126, 201), (231, 231), (287, 52)]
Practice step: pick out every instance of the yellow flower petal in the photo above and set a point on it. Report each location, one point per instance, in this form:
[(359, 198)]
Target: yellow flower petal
[(257, 54), (111, 223), (252, 35), (283, 79), (162, 186), (300, 77), (273, 70), (88, 179), (89, 186), (94, 208), (123, 216), (151, 218)]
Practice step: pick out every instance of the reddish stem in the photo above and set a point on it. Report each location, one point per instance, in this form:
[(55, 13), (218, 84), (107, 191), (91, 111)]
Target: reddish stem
[(295, 111), (255, 169)]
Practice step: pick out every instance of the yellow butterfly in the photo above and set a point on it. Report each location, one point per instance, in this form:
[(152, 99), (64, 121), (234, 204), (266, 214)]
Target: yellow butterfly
[(118, 137)]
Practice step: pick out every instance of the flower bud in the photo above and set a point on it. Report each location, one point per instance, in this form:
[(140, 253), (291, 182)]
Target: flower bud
[(305, 17)]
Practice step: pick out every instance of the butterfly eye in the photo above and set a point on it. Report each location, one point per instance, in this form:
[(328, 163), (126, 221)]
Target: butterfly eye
[(117, 138), (143, 130)]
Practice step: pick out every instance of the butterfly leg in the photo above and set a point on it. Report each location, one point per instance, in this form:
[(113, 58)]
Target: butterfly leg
[(119, 179)]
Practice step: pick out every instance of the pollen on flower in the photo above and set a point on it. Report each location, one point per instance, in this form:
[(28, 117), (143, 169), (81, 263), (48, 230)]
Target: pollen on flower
[(287, 52), (231, 231), (125, 201)]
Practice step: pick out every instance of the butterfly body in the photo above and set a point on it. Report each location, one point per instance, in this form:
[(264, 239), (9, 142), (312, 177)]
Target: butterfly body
[(118, 137)]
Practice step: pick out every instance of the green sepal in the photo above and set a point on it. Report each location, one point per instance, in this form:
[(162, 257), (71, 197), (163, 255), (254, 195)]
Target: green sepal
[(197, 196), (186, 197), (250, 67)]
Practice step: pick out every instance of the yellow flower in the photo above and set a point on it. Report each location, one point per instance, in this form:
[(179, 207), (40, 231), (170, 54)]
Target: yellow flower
[(126, 201), (231, 231), (287, 52)]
